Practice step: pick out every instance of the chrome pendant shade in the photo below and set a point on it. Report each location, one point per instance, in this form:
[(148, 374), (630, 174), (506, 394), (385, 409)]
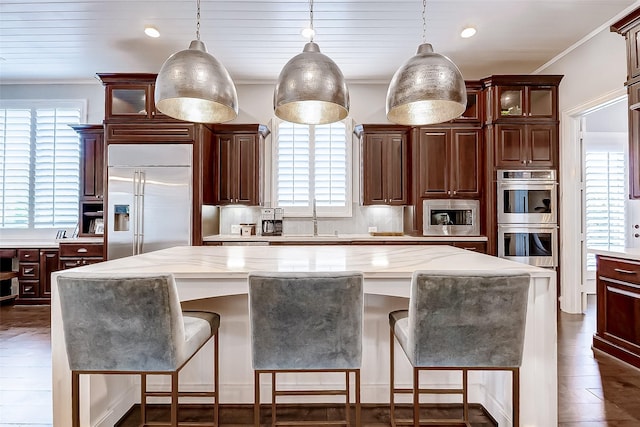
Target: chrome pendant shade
[(311, 89), (194, 86), (427, 89)]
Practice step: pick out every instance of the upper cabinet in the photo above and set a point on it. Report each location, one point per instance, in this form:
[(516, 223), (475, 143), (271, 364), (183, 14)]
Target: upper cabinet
[(91, 178), (238, 151), (526, 146), (629, 27), (449, 163), (475, 104), (384, 164), (129, 96), (511, 98)]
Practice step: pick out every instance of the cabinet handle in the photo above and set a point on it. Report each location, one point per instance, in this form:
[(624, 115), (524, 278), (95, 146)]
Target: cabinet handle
[(27, 256), (82, 251), (454, 192), (619, 270)]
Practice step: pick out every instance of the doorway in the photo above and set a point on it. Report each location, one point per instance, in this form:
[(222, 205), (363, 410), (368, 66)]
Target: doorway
[(604, 176)]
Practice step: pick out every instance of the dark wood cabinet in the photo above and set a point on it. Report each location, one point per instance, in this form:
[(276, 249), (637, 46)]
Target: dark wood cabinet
[(449, 163), (629, 27), (475, 104), (238, 156), (519, 146), (91, 205), (130, 96), (79, 254), (618, 308), (34, 275), (383, 164)]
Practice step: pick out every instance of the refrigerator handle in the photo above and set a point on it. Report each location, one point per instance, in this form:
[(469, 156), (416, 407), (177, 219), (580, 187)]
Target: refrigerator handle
[(135, 213), (143, 181)]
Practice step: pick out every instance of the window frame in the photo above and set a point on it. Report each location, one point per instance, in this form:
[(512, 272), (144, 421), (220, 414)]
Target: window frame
[(34, 105), (307, 211)]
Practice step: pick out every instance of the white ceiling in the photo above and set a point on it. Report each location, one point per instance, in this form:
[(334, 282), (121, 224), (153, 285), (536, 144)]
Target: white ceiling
[(72, 40)]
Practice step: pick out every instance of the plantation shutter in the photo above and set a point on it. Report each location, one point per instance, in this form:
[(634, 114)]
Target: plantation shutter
[(56, 168), (293, 165), (15, 161), (605, 196), (330, 165)]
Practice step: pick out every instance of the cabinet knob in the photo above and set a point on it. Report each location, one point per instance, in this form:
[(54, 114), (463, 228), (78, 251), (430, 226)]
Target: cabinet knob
[(524, 162), (454, 192), (636, 235), (636, 226)]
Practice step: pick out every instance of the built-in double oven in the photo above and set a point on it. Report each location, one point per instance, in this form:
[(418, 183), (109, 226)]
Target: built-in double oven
[(527, 216)]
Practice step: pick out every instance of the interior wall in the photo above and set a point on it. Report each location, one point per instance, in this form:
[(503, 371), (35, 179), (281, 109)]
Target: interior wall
[(594, 73)]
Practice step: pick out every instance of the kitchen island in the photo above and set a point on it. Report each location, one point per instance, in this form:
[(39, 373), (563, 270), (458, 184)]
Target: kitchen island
[(215, 278)]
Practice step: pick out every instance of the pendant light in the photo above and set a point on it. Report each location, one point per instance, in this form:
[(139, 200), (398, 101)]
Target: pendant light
[(194, 86), (311, 88), (427, 89)]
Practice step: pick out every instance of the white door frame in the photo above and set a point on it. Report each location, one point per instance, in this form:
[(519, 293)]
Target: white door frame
[(572, 236)]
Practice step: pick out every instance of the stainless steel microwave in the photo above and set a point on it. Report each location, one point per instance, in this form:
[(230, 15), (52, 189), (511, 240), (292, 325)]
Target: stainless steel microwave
[(450, 217)]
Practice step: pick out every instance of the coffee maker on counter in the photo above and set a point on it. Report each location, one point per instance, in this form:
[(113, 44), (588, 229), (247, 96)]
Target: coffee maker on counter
[(271, 221)]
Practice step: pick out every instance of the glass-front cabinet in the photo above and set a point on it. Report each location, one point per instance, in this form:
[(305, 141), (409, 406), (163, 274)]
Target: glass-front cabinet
[(130, 96)]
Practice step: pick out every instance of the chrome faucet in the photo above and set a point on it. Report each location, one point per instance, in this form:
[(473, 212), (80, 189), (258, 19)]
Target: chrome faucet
[(315, 219)]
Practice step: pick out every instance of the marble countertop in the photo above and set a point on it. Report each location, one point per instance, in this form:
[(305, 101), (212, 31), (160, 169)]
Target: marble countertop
[(616, 251), (375, 261), (340, 238), (44, 243)]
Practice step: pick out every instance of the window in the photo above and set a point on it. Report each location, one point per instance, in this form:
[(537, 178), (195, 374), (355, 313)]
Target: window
[(39, 164), (312, 162), (604, 196)]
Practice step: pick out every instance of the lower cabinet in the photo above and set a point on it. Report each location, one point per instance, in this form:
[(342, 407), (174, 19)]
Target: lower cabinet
[(79, 254), (618, 308), (34, 275)]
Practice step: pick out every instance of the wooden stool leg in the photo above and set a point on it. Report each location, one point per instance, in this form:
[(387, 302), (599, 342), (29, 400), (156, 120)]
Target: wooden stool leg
[(416, 397), (143, 399), (75, 399), (358, 405), (515, 385), (216, 382), (174, 399), (347, 405), (256, 399), (273, 399), (465, 395), (392, 413)]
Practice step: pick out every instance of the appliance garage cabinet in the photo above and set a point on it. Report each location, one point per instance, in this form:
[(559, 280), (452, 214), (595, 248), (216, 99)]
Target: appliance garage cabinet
[(629, 27), (74, 254), (384, 164), (91, 178), (238, 152), (35, 266), (618, 308)]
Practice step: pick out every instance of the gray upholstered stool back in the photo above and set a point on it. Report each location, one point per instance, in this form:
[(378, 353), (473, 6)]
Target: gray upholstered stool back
[(118, 323), (474, 318), (306, 320)]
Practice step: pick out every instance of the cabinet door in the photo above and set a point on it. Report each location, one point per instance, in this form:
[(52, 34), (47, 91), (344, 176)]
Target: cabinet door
[(634, 141), (133, 101), (396, 186), (92, 167), (541, 102), (510, 102), (247, 174), (633, 54), (48, 264), (433, 163), (542, 145), (510, 148), (226, 182), (466, 152), (373, 159)]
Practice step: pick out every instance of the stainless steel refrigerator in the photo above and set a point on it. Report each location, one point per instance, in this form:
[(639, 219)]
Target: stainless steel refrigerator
[(149, 201)]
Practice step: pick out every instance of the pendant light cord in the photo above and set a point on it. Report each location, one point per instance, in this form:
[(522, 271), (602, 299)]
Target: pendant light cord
[(424, 21), (310, 20), (198, 21)]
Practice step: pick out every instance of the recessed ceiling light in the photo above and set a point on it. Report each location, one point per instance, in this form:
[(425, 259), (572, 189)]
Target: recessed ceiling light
[(308, 33), (151, 31), (468, 32)]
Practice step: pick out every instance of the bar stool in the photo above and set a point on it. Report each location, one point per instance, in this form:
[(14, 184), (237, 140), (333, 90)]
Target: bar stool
[(460, 320), (306, 322), (133, 324)]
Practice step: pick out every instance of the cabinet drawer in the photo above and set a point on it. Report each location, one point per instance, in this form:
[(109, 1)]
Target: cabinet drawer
[(77, 262), (29, 255), (81, 249), (29, 270), (29, 288), (626, 271)]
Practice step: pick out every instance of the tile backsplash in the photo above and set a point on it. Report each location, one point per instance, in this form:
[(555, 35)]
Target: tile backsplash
[(384, 218)]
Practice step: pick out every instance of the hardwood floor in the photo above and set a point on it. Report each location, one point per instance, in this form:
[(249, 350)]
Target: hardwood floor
[(593, 391)]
